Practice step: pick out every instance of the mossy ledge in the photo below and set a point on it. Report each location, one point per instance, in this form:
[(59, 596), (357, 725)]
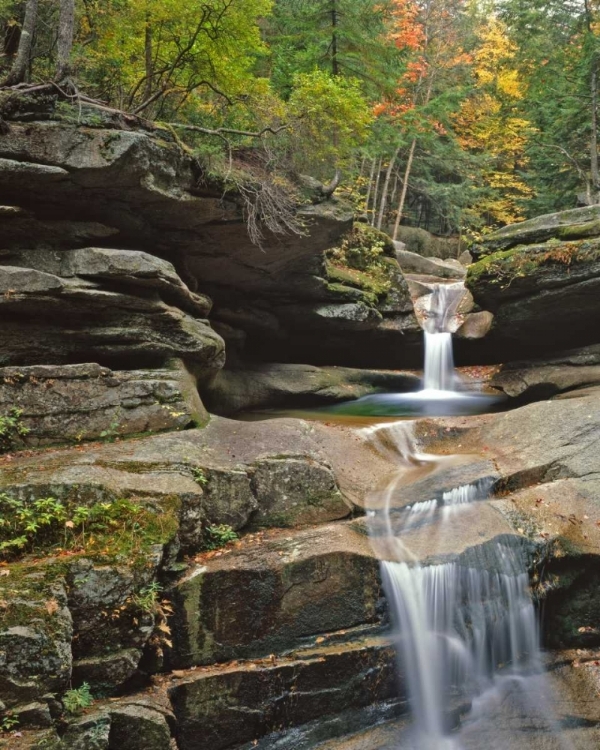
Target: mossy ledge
[(504, 267)]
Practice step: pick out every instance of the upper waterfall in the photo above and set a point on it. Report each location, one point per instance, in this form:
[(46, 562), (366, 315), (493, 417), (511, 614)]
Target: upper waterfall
[(440, 320)]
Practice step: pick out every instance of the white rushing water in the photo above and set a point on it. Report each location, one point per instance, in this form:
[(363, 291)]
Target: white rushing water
[(466, 629), (440, 320), (466, 633)]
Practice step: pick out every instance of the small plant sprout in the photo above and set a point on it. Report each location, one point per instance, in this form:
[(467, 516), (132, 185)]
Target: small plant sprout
[(8, 722), (75, 700)]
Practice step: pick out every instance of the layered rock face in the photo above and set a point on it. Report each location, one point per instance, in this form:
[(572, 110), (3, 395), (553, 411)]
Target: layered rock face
[(541, 279), (84, 204)]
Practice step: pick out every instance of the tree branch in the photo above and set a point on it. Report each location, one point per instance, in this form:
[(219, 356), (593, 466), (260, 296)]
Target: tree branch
[(229, 131)]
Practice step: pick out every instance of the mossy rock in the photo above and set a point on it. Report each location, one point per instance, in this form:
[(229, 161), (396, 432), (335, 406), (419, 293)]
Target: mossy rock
[(576, 223), (529, 268)]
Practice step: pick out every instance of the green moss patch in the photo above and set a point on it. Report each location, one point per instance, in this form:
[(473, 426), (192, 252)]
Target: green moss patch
[(119, 528), (505, 266), (361, 261)]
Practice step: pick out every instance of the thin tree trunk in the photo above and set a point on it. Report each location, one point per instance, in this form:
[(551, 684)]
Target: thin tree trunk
[(64, 45), (395, 188), (149, 59), (386, 186), (363, 161), (371, 175), (594, 135), (376, 192), (595, 172), (335, 69), (411, 155), (18, 71)]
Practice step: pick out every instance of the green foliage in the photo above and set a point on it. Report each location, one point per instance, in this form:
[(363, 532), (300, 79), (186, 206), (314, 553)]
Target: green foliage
[(77, 699), (147, 598), (11, 430), (302, 32), (496, 98), (48, 523), (217, 536), (112, 432), (331, 119), (8, 722), (199, 476), (359, 260)]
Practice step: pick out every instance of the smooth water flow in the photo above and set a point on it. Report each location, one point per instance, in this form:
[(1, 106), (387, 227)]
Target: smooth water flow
[(440, 321), (439, 362), (465, 623), (466, 630)]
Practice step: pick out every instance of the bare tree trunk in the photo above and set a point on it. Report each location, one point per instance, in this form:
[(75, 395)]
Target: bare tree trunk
[(149, 59), (395, 188), (335, 68), (376, 192), (595, 173), (19, 67), (411, 155), (64, 45), (386, 186), (329, 189), (369, 189), (594, 135)]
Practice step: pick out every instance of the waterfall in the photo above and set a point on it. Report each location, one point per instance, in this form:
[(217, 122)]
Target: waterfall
[(466, 632), (439, 362), (456, 627), (465, 627), (440, 321)]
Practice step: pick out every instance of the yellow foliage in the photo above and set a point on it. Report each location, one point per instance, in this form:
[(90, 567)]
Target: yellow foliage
[(488, 122)]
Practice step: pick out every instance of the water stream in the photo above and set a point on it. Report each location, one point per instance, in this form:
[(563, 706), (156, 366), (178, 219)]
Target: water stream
[(465, 624), (443, 392)]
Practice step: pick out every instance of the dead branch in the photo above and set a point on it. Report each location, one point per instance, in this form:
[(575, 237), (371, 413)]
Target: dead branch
[(229, 131)]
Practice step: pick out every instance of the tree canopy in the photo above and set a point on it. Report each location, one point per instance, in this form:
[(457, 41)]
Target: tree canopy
[(455, 115)]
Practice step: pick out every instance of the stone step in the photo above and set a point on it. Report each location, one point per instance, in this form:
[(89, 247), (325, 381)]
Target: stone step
[(228, 706), (431, 480), (272, 591)]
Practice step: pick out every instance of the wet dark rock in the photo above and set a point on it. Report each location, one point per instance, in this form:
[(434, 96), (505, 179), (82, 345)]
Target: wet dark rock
[(87, 733), (135, 727), (75, 185), (269, 385), (543, 297), (106, 617), (109, 671), (574, 369), (268, 595), (35, 644), (243, 703), (296, 491), (34, 715), (575, 224), (54, 321)]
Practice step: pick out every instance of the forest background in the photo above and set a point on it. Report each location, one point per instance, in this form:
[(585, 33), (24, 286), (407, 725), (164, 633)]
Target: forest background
[(453, 115)]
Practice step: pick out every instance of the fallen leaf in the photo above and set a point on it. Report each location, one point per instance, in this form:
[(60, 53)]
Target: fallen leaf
[(52, 606)]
